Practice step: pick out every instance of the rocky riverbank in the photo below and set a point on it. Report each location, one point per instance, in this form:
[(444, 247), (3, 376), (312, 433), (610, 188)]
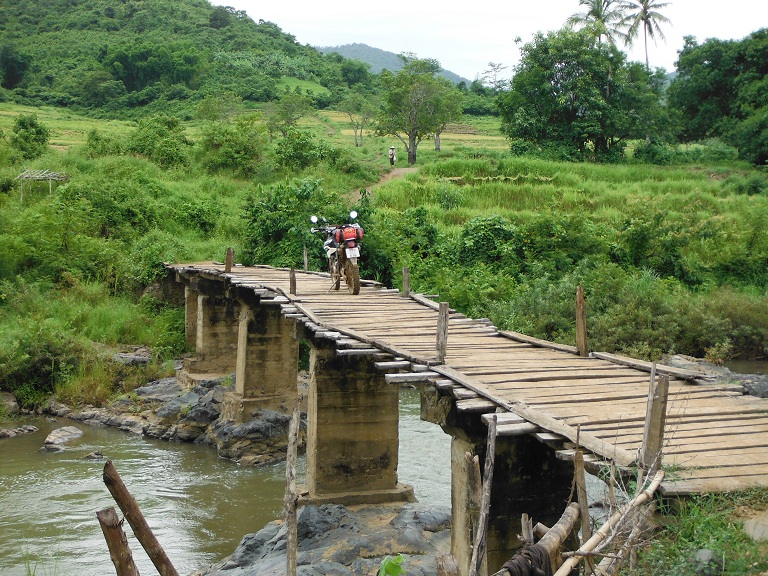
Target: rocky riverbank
[(338, 541)]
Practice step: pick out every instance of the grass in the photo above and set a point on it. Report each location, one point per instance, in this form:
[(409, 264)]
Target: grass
[(714, 522)]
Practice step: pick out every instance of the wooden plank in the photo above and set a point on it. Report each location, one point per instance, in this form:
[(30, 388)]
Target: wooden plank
[(502, 418), (646, 366), (474, 405), (622, 457), (538, 342), (712, 485), (393, 365), (409, 377), (516, 429)]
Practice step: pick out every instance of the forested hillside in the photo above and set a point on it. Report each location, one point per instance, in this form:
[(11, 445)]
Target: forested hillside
[(119, 56)]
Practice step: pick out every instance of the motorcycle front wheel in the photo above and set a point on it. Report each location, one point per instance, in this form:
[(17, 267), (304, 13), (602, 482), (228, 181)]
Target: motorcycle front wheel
[(352, 277), (333, 268)]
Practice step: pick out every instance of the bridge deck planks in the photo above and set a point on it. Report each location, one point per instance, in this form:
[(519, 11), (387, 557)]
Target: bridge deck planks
[(716, 439)]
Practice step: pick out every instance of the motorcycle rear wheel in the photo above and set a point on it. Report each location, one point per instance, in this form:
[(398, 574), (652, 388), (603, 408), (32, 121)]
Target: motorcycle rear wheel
[(333, 268), (352, 277)]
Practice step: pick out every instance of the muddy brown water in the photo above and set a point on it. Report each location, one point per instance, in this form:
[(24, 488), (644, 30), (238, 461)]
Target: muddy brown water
[(198, 505)]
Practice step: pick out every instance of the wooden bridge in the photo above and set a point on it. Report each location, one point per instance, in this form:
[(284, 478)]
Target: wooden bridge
[(544, 395)]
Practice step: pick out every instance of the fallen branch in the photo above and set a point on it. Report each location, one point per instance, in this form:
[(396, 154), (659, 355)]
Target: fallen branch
[(605, 529), (555, 536)]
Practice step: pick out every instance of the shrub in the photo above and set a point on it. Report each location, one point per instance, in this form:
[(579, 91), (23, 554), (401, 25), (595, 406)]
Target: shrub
[(30, 137), (299, 150)]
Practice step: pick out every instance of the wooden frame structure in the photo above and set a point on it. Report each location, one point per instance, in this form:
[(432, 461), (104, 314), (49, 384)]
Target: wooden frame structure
[(36, 175)]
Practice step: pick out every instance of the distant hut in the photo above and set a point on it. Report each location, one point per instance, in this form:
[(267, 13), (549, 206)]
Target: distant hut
[(33, 175)]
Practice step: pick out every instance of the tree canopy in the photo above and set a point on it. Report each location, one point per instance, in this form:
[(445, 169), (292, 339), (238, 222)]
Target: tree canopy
[(417, 103), (579, 96), (722, 91)]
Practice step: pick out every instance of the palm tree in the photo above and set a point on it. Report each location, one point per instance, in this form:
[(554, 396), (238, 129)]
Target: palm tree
[(644, 13), (605, 15)]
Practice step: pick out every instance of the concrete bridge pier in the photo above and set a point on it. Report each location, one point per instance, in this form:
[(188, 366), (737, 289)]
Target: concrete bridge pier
[(527, 478), (352, 432), (211, 325), (266, 371)]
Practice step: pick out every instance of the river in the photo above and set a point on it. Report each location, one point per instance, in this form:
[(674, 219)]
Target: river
[(198, 505)]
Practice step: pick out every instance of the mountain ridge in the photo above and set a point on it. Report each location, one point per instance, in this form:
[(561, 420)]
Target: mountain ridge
[(379, 59)]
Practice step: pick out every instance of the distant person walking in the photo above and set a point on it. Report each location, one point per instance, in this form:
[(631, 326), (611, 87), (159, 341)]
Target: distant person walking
[(392, 156)]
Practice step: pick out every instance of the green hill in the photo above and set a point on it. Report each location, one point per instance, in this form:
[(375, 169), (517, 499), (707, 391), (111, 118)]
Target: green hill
[(121, 57), (378, 59)]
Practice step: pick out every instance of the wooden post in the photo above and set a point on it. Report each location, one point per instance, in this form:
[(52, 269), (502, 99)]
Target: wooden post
[(447, 566), (478, 550), (526, 529), (581, 490), (292, 282), (442, 332), (581, 323), (136, 520), (117, 542), (406, 283), (290, 491), (655, 421), (228, 262), (306, 260)]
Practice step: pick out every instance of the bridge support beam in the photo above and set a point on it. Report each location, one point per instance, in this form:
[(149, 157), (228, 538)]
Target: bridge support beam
[(267, 365), (352, 433)]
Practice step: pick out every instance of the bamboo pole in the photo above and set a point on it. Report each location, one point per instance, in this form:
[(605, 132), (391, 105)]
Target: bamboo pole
[(612, 522), (478, 550), (291, 498), (136, 520), (406, 283), (117, 542), (306, 260)]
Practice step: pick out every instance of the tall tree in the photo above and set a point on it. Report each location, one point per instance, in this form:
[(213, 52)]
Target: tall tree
[(361, 110), (606, 16), (414, 106), (559, 98), (644, 14), (286, 112), (414, 103)]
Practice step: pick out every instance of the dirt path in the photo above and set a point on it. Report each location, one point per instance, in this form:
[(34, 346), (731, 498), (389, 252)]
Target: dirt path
[(395, 173)]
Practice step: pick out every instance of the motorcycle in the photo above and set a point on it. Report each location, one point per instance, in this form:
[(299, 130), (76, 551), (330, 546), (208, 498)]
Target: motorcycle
[(342, 247)]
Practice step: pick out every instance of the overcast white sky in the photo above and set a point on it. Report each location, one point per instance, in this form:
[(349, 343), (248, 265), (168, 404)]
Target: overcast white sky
[(465, 39)]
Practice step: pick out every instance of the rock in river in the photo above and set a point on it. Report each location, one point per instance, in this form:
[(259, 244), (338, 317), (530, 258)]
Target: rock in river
[(61, 436)]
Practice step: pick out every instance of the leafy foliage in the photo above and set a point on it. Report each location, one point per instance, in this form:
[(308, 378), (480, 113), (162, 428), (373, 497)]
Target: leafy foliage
[(30, 137), (572, 92), (720, 92), (417, 104)]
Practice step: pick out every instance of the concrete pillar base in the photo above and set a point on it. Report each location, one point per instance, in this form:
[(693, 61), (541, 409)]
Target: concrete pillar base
[(401, 493), (237, 409), (190, 378)]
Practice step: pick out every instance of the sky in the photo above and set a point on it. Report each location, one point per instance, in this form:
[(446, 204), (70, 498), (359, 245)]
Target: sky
[(466, 38)]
